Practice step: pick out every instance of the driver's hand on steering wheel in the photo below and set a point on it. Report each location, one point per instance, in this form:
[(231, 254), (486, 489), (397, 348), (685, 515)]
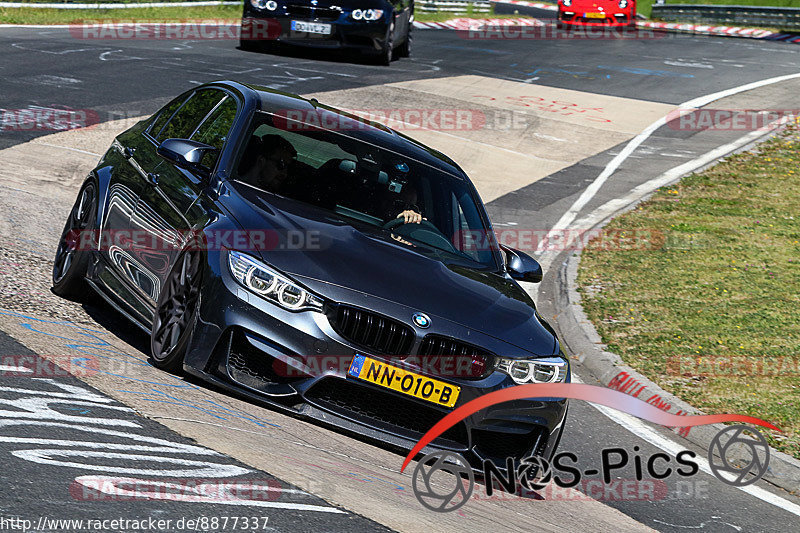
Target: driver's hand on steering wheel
[(409, 216)]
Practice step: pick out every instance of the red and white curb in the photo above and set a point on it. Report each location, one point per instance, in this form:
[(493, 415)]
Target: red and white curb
[(467, 24), (537, 5), (705, 29), (700, 29)]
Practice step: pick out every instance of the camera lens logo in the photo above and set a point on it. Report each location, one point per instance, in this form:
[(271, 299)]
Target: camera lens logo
[(534, 473), (443, 493), (735, 452)]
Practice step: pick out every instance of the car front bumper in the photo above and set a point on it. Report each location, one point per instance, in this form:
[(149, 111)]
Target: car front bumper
[(248, 345), (345, 32), (611, 20)]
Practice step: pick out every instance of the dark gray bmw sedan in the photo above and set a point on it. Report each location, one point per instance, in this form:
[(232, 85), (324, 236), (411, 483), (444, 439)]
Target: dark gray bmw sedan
[(325, 265)]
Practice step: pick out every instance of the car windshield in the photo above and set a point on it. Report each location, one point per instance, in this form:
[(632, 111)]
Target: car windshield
[(374, 189)]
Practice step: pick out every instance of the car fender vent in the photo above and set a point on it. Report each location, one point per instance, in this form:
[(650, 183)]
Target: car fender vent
[(500, 445)]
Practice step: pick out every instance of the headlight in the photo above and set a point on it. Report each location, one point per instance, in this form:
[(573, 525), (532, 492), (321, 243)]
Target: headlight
[(546, 370), (269, 284), (623, 4), (366, 14), (270, 5), (566, 3)]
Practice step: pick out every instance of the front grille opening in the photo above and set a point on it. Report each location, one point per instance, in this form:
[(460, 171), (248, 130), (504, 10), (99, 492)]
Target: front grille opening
[(374, 332), (313, 13), (470, 362), (252, 367), (498, 445), (385, 410)]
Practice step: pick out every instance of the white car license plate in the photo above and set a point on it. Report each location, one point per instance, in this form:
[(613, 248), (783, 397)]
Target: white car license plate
[(311, 27)]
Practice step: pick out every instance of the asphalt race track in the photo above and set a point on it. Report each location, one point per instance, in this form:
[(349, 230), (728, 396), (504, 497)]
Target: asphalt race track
[(577, 102)]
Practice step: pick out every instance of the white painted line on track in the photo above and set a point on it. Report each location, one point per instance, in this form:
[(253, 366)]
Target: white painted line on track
[(295, 442), (651, 436), (8, 368), (637, 193), (648, 434), (120, 491), (609, 208), (70, 149), (628, 422), (569, 216)]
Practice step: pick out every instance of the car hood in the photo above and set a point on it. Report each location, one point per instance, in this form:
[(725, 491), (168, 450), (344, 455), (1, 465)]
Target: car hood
[(322, 252)]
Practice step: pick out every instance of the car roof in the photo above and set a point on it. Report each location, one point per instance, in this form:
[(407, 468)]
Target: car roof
[(274, 101)]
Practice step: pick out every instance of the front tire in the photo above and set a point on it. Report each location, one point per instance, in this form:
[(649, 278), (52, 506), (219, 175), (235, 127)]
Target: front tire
[(405, 49), (176, 312), (71, 262), (387, 53), (248, 45)]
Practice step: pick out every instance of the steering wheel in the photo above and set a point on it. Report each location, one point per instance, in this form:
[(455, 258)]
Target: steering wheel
[(399, 221), (422, 231)]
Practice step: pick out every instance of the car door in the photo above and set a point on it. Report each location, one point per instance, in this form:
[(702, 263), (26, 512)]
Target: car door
[(132, 159), (166, 211)]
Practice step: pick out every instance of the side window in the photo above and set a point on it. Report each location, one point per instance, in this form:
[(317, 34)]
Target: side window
[(465, 217), (188, 117), (165, 113), (215, 129)]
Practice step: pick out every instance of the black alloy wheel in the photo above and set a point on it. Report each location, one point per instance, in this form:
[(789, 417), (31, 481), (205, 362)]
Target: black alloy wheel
[(176, 312), (387, 54), (71, 260), (405, 49)]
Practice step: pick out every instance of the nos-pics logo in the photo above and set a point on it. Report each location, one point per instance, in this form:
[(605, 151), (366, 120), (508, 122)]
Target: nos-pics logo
[(443, 481)]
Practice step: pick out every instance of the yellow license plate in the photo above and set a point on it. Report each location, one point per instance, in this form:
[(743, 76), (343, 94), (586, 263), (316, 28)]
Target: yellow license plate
[(397, 379), (595, 15)]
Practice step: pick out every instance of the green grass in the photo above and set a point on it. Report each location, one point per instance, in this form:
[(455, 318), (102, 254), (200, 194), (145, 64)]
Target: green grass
[(68, 16), (723, 282), (645, 6)]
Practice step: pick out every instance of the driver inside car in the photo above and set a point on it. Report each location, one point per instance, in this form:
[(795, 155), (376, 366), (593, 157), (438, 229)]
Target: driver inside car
[(270, 159), (406, 203)]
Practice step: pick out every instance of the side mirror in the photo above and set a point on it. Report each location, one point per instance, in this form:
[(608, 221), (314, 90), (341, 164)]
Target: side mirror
[(521, 266), (186, 154)]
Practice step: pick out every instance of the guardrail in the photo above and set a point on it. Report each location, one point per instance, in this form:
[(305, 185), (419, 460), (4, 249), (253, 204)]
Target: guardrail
[(453, 7), (787, 18)]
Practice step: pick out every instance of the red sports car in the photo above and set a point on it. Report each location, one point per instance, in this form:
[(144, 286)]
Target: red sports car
[(596, 13)]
